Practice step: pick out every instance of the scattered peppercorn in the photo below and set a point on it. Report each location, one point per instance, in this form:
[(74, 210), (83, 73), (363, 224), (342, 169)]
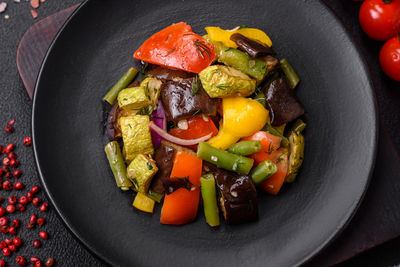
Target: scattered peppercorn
[(44, 206), (12, 231), (6, 161), (32, 219), (15, 223), (49, 262), (40, 221), (7, 185), (30, 226), (36, 243), (17, 241), (9, 129), (43, 235), (8, 176), (14, 163), (13, 247), (12, 155), (36, 201), (4, 229), (12, 200), (27, 141), (21, 207), (2, 211), (3, 244), (6, 252), (23, 199), (29, 196), (2, 263), (16, 173), (34, 260), (18, 185), (3, 221), (35, 189), (38, 264), (11, 122), (21, 261), (9, 148), (8, 241), (10, 208)]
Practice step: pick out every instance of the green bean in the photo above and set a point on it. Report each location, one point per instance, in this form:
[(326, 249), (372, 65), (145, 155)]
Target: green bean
[(273, 131), (123, 83), (291, 75), (209, 195), (155, 195), (223, 159), (263, 171), (117, 165), (299, 126), (237, 59), (245, 148), (260, 98)]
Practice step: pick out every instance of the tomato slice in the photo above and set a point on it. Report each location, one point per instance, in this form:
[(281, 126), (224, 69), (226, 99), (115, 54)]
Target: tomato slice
[(274, 183), (197, 127), (269, 146), (178, 47)]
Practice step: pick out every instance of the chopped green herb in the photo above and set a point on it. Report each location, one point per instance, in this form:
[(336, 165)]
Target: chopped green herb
[(195, 86), (222, 86), (202, 49), (170, 52), (242, 26), (149, 166), (197, 112)]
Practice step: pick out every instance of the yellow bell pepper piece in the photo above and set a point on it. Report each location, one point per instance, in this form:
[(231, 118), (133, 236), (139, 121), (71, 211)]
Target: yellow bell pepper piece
[(223, 36), (241, 117), (143, 203)]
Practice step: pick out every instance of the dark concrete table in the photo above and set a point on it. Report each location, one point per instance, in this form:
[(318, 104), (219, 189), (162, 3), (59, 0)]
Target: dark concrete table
[(14, 103)]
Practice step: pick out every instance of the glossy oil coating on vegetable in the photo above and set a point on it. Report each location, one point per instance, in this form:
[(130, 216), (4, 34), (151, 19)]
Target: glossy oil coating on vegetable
[(136, 136), (218, 111), (238, 198), (123, 83), (185, 98), (223, 81), (209, 195), (283, 104), (117, 165), (224, 159), (140, 171), (178, 47)]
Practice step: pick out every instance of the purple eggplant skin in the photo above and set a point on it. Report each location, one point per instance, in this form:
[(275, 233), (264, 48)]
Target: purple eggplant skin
[(181, 102), (282, 102), (164, 158), (112, 129), (252, 48), (238, 199), (165, 74)]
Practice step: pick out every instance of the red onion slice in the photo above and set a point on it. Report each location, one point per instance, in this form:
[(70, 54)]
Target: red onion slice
[(176, 140)]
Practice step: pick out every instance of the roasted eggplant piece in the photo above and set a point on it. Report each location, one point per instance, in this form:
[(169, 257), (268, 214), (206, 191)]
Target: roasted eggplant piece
[(164, 158), (166, 74), (238, 198), (282, 102), (252, 48), (185, 98)]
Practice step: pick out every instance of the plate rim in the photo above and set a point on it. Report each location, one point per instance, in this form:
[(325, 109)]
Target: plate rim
[(347, 218)]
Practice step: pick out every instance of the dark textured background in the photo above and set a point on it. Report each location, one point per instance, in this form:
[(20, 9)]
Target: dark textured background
[(16, 104)]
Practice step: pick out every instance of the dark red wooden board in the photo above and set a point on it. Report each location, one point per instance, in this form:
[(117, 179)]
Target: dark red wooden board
[(375, 222)]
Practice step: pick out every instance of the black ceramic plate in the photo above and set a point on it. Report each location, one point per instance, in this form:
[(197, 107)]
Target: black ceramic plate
[(95, 48)]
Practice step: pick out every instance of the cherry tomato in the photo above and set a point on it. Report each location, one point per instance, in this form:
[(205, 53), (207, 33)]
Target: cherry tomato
[(380, 19), (390, 58)]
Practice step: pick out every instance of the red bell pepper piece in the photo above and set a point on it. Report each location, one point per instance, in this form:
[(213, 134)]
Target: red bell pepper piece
[(274, 183), (178, 47), (181, 206), (197, 127), (269, 146)]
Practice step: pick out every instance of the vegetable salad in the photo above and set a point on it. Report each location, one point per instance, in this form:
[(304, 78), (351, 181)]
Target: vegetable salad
[(209, 119)]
